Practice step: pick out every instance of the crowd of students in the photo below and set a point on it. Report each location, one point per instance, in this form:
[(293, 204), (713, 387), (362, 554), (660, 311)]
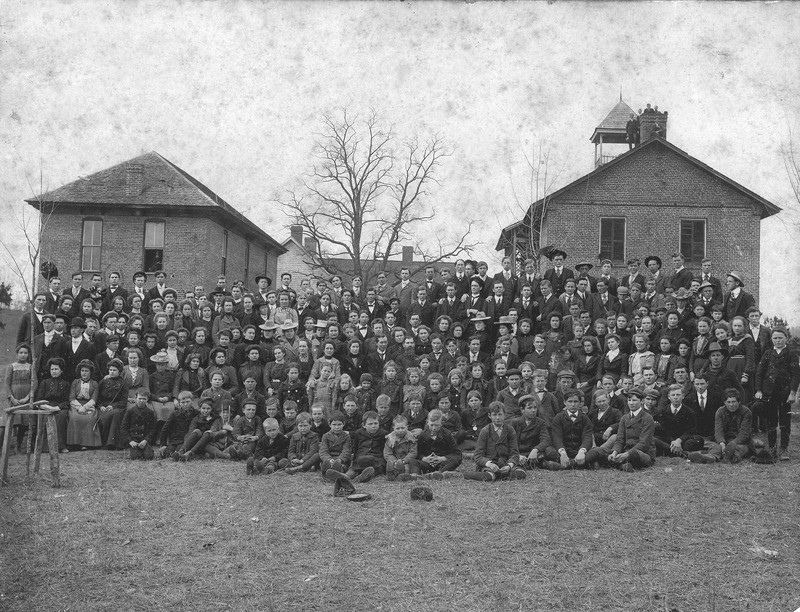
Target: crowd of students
[(566, 370)]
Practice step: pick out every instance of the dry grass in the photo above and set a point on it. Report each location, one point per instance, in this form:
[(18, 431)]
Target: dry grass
[(159, 535)]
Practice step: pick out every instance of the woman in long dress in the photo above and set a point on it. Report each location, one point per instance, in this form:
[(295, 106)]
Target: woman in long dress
[(82, 430), (19, 386)]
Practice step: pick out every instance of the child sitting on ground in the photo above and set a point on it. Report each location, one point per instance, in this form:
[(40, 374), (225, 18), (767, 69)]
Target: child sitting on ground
[(382, 406), (303, 447), (438, 454), (416, 416), (365, 393), (352, 416), (400, 451), (319, 425), (139, 427), (289, 418), (496, 451), (367, 444), (246, 432), (270, 450), (334, 448)]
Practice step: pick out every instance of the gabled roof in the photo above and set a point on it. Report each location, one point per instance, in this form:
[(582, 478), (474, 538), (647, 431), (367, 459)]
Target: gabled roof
[(767, 208), (615, 120), (163, 184)]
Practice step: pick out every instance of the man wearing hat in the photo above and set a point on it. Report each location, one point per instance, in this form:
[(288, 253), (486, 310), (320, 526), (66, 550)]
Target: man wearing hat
[(558, 274), (77, 348), (719, 377), (653, 264), (738, 300), (582, 268), (706, 297), (263, 283)]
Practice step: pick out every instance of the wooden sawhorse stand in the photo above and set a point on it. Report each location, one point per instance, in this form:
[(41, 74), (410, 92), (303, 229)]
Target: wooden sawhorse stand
[(44, 413)]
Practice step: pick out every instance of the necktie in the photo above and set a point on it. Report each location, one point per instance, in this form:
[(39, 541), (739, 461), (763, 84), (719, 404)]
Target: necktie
[(702, 402), (674, 411)]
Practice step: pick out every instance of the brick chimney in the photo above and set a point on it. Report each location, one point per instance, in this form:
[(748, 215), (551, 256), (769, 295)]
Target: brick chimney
[(311, 244), (408, 254), (134, 179), (297, 233)]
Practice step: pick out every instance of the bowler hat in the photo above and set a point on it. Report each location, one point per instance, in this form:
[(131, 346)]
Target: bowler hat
[(343, 486), (555, 252), (265, 277), (78, 322)]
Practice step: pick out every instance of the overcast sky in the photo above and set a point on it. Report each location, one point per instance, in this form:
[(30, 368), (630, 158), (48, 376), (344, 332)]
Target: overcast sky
[(233, 93)]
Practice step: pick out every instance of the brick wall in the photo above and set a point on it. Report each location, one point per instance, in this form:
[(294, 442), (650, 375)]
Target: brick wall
[(653, 191), (192, 253)]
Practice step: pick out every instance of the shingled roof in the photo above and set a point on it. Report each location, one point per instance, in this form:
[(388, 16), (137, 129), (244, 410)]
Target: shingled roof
[(615, 120), (147, 181)]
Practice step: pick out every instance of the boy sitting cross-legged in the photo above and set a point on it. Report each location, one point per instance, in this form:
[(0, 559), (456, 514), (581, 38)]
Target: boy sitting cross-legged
[(438, 454), (367, 445), (496, 451), (399, 451), (303, 447), (270, 449)]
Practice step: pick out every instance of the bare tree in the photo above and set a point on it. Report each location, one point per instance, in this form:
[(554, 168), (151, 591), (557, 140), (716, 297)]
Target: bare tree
[(531, 197), (791, 161), (26, 266), (367, 195)]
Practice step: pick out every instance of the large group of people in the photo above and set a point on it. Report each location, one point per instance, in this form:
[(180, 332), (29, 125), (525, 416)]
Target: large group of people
[(572, 368)]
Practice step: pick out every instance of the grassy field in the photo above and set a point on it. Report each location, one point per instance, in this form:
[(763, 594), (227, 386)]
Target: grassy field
[(203, 536)]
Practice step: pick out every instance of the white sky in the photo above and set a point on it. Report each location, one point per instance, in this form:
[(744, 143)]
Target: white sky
[(233, 93)]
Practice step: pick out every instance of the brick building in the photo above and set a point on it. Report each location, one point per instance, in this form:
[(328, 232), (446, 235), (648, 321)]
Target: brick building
[(148, 214), (651, 200)]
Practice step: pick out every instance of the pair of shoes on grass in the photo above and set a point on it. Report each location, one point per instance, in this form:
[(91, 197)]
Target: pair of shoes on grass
[(365, 476)]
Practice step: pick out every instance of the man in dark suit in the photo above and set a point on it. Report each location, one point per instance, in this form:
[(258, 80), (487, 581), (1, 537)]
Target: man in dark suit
[(161, 286), (53, 294), (707, 277), (738, 301), (653, 264), (584, 293), (433, 288), (77, 292), (526, 306), (509, 280), (634, 274), (582, 271), (760, 333), (603, 301), (113, 290), (548, 304), (24, 329), (558, 274), (450, 305), (77, 348), (372, 306), (676, 427), (704, 403), (681, 277), (496, 305), (377, 359), (423, 307), (528, 278), (47, 345), (605, 274), (139, 280), (461, 279)]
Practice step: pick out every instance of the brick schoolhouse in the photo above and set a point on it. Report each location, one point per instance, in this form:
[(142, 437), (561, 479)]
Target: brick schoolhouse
[(148, 214), (654, 199)]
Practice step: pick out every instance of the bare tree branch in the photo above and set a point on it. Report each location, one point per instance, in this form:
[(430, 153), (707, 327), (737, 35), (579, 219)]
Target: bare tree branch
[(364, 196)]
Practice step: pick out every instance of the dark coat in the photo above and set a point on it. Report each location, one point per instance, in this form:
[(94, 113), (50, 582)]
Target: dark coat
[(571, 436), (669, 427), (531, 434), (500, 449)]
